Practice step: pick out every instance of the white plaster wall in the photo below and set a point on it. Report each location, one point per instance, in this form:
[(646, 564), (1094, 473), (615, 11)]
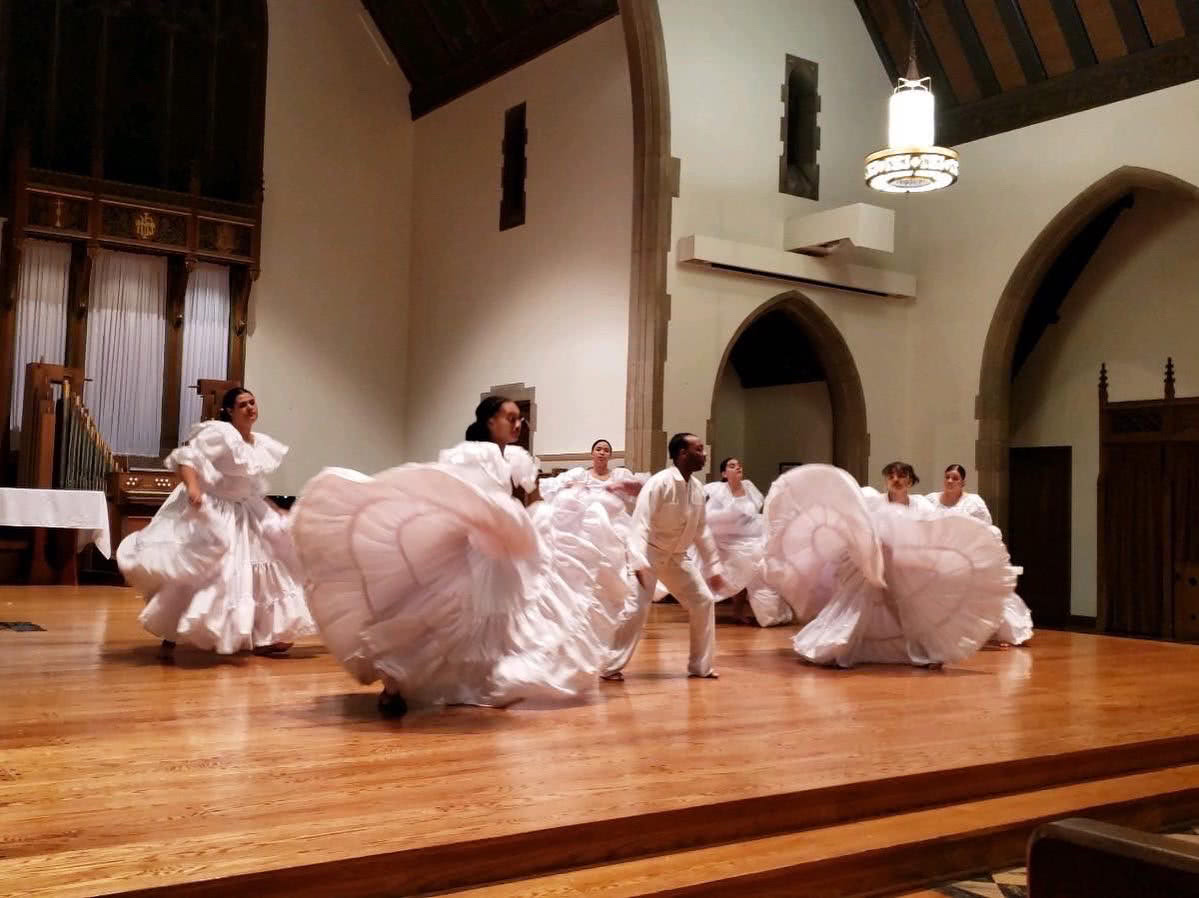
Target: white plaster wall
[(966, 242), (1132, 307), (727, 433), (726, 65), (544, 304), (786, 423), (328, 329)]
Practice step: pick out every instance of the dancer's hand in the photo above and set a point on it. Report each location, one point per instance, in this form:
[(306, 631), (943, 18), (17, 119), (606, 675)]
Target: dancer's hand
[(195, 496), (718, 585), (628, 487), (640, 579)]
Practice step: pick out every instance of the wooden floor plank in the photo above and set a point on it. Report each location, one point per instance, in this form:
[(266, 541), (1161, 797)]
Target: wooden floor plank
[(117, 772), (874, 855)]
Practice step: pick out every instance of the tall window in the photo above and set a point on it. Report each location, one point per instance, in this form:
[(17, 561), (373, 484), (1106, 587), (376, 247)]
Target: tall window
[(512, 177), (799, 174), (126, 333), (41, 328), (205, 338)]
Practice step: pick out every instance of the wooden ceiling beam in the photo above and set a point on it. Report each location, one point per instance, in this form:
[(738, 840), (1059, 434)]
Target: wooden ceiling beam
[(1103, 29), (1132, 26), (1075, 33), (930, 64), (976, 53), (876, 36), (1129, 76), (1021, 38), (995, 41), (945, 39), (512, 50), (1164, 19), (1188, 12)]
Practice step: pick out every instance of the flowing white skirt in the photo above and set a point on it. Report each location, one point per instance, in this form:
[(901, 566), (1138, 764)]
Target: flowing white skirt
[(881, 586), (741, 540), (222, 577), (454, 594), (1016, 626)]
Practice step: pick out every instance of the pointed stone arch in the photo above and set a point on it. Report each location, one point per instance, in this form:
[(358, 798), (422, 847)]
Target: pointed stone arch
[(992, 407), (851, 439)]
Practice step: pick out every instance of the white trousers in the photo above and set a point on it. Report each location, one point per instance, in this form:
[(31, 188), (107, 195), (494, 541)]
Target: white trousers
[(682, 580)]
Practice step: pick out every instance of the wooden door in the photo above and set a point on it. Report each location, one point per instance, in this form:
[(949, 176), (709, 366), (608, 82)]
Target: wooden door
[(1184, 506), (1039, 529), (1133, 532)]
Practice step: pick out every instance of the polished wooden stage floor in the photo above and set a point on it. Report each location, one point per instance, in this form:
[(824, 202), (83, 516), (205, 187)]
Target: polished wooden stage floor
[(119, 773)]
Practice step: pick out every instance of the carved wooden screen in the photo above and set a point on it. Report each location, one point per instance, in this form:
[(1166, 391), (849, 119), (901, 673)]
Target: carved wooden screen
[(134, 125), (1148, 507)]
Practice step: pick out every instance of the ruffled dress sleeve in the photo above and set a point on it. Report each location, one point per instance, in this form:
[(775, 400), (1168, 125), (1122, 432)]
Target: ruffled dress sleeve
[(226, 463), (976, 507), (523, 468), (551, 486)]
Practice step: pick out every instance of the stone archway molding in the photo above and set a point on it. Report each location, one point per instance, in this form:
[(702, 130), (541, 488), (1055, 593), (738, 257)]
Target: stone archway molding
[(655, 183), (851, 439), (992, 407)]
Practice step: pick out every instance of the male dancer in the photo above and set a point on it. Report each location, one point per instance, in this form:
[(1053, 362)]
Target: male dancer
[(668, 519)]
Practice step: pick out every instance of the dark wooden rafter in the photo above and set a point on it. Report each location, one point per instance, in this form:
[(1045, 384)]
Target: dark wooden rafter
[(880, 45), (449, 47), (1119, 79), (976, 54), (1075, 33), (1132, 24), (998, 65), (1188, 11), (1021, 39)]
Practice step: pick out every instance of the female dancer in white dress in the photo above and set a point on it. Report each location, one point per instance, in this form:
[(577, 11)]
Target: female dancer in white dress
[(879, 576), (616, 488), (435, 580), (733, 513), (216, 564), (1016, 627)]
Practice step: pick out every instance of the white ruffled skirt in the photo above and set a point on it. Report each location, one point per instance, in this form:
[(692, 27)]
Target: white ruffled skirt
[(741, 541), (1015, 628), (223, 577), (455, 594), (881, 586)]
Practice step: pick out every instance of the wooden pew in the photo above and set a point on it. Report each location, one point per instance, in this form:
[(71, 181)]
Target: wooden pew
[(1080, 858)]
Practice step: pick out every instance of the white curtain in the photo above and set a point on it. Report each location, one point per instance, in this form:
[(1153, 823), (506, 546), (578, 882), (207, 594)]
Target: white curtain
[(126, 340), (41, 328), (205, 337)]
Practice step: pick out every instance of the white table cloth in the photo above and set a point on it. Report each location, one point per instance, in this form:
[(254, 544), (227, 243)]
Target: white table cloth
[(83, 510)]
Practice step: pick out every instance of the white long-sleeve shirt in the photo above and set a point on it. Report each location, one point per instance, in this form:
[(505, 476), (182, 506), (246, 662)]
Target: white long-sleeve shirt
[(669, 518)]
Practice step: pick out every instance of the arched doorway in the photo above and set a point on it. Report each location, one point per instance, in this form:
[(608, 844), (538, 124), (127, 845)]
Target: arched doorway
[(993, 404), (850, 439)]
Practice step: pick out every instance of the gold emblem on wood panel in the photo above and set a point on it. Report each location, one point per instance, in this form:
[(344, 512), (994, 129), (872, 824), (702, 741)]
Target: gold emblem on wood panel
[(145, 226), (224, 238)]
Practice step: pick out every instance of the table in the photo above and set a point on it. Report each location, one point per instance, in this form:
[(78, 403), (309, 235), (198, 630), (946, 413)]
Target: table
[(84, 511)]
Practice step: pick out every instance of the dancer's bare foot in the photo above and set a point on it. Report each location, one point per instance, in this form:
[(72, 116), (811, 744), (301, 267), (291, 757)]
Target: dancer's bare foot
[(936, 665), (710, 675), (275, 648), (166, 651), (614, 677)]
